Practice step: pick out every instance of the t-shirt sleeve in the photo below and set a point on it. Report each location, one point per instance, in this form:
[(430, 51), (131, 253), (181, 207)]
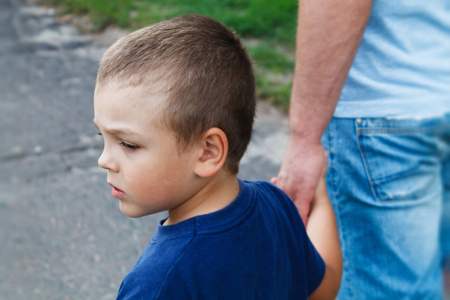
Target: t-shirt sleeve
[(176, 284)]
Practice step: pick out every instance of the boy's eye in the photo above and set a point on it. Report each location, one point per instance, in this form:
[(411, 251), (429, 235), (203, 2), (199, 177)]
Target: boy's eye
[(128, 145)]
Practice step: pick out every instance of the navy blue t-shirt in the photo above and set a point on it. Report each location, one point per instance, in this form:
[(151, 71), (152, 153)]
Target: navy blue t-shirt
[(255, 248)]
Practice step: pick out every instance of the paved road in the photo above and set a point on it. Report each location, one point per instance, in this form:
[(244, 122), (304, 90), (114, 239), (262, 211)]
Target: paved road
[(63, 236)]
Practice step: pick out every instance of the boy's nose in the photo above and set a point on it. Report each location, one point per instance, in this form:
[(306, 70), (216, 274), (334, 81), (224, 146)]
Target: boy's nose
[(106, 162)]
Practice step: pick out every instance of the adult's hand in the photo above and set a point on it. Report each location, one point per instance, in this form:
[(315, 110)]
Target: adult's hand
[(300, 173)]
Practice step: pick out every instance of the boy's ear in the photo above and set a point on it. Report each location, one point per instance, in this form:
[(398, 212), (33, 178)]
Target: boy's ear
[(214, 151)]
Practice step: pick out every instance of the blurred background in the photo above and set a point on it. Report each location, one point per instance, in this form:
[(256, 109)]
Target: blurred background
[(268, 28)]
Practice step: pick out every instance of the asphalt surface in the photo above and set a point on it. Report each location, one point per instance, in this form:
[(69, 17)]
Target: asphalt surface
[(62, 234)]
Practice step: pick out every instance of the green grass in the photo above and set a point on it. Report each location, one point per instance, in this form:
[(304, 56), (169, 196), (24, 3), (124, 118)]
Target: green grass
[(273, 71), (267, 27), (266, 19)]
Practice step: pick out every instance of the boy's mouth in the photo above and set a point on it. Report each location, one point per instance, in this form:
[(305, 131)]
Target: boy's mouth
[(115, 192)]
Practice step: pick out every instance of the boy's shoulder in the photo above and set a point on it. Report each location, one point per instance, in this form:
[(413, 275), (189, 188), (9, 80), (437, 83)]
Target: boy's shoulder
[(229, 253)]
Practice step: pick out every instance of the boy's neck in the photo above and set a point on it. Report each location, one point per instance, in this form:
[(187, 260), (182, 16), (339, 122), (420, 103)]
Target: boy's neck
[(217, 193)]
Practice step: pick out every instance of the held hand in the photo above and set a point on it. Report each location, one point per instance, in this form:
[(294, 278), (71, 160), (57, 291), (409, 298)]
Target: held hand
[(321, 194), (299, 175)]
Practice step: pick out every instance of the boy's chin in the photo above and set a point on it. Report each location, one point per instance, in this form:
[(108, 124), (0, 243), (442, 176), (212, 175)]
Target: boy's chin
[(132, 212)]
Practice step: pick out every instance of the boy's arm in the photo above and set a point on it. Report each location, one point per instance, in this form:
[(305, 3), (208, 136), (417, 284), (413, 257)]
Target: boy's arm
[(322, 232), (328, 36)]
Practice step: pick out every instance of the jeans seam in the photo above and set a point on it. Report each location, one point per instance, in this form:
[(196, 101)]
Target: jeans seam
[(332, 169), (366, 167)]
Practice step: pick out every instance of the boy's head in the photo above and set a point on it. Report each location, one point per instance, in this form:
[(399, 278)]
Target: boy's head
[(201, 73)]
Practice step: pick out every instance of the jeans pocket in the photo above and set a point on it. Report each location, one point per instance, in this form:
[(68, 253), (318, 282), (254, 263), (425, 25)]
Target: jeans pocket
[(401, 163)]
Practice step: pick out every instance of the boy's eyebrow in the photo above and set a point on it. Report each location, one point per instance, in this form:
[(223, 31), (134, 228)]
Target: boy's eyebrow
[(117, 130)]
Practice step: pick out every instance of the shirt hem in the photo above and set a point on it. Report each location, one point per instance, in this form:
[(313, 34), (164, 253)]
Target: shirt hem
[(392, 109)]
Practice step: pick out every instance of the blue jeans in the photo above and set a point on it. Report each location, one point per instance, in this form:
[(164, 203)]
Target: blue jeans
[(389, 182)]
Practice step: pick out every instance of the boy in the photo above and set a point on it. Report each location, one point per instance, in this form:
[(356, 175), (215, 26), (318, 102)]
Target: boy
[(175, 104)]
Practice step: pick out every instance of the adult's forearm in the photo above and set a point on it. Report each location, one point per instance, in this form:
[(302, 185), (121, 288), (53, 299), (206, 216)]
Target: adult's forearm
[(328, 37)]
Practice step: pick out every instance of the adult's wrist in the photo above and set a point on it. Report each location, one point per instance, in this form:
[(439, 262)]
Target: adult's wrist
[(305, 138)]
